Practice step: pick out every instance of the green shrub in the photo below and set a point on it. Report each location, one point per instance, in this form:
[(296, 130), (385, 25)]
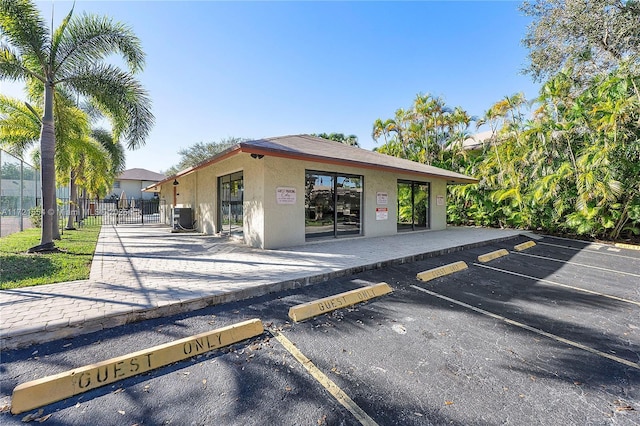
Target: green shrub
[(35, 213)]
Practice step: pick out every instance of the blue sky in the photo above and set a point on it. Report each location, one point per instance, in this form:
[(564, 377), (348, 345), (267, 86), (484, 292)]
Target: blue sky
[(260, 69)]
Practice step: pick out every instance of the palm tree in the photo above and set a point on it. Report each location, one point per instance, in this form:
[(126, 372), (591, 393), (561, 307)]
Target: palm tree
[(88, 157), (459, 122), (351, 140), (382, 128), (74, 57)]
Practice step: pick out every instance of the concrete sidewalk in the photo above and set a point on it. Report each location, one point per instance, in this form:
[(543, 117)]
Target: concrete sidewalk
[(147, 272)]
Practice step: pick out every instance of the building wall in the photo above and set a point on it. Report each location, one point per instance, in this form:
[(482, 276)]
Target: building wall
[(133, 188), (199, 191), (285, 224), (268, 224), (254, 199), (438, 212)]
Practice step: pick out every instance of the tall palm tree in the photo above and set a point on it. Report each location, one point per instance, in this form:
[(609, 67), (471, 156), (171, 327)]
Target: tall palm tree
[(382, 128), (430, 112), (459, 122), (74, 56), (88, 157)]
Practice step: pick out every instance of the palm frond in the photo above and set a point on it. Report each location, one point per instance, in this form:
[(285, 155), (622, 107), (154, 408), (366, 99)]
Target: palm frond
[(58, 35), (113, 147), (120, 96), (19, 126), (90, 38), (22, 25)]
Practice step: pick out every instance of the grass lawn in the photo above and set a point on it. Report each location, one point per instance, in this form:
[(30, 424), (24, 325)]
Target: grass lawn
[(19, 269)]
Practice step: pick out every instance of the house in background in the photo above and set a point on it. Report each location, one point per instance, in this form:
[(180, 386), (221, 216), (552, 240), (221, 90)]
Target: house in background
[(478, 140), (132, 181)]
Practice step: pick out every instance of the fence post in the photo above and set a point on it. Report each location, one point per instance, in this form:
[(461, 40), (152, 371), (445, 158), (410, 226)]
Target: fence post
[(20, 205)]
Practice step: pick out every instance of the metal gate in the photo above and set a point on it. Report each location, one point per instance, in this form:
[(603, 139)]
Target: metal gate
[(112, 211)]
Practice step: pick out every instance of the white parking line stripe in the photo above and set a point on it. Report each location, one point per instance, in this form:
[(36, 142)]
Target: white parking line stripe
[(588, 243), (582, 250), (584, 290), (532, 329), (577, 264), (328, 384)]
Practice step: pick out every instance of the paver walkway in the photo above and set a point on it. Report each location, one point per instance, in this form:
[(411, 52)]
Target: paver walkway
[(148, 272)]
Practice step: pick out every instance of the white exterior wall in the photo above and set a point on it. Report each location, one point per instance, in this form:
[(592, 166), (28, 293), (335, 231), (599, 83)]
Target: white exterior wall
[(438, 213), (206, 200), (285, 224), (199, 191), (268, 224), (254, 224), (133, 188)]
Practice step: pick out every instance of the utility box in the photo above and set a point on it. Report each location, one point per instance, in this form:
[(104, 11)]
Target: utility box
[(183, 218)]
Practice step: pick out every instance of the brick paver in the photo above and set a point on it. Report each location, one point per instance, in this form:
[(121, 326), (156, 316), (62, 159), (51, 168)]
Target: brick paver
[(147, 272)]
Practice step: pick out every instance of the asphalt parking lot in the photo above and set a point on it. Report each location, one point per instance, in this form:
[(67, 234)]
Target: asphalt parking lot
[(549, 335)]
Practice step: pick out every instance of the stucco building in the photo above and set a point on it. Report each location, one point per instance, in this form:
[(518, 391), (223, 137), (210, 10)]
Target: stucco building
[(284, 191), (132, 183)]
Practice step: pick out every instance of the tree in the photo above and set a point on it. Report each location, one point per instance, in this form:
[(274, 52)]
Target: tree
[(351, 140), (422, 132), (74, 57), (201, 151), (573, 168), (90, 158), (382, 128), (588, 36)]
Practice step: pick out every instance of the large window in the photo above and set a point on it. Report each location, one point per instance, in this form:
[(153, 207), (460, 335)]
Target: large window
[(230, 197), (332, 204), (413, 205)]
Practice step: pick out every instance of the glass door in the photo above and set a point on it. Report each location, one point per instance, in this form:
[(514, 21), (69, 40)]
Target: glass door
[(332, 204), (348, 202), (405, 206), (319, 205), (413, 206), (231, 195), (421, 206)]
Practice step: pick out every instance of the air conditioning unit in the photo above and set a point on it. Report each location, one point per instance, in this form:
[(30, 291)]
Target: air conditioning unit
[(183, 218)]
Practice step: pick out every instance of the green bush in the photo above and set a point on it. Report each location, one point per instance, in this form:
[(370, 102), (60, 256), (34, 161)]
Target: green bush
[(35, 213)]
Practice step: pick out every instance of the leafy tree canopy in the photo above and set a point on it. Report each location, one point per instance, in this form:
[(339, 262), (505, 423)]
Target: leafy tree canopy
[(589, 36), (201, 151), (422, 131)]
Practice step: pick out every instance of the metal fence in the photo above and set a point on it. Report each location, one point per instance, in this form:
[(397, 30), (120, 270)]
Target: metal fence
[(109, 211), (19, 193)]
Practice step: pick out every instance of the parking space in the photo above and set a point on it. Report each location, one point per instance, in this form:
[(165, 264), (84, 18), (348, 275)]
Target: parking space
[(588, 305), (548, 335), (485, 345)]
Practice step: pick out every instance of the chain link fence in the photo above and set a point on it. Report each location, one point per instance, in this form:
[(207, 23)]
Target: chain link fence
[(19, 194)]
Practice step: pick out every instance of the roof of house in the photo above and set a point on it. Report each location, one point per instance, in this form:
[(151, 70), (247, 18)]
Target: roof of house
[(141, 174), (311, 148), (477, 141)]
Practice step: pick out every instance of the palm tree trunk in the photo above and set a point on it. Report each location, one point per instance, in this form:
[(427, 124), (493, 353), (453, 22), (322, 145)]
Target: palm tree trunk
[(615, 233), (73, 202), (81, 204), (48, 173), (55, 226)]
